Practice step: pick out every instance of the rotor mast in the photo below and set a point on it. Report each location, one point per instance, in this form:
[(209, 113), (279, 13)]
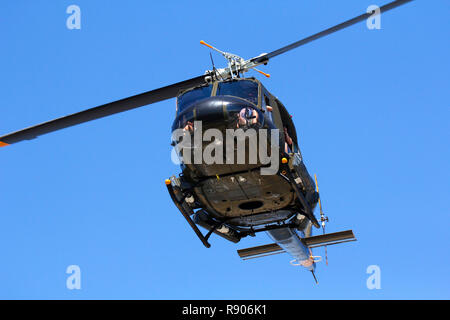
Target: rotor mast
[(236, 64)]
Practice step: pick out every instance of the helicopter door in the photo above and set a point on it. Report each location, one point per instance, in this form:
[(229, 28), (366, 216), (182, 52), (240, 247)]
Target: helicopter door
[(266, 106), (270, 107)]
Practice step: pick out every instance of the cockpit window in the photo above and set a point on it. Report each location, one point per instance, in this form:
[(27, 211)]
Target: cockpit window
[(245, 89), (191, 96)]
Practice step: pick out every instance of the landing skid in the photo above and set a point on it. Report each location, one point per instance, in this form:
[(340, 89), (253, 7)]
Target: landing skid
[(186, 211)]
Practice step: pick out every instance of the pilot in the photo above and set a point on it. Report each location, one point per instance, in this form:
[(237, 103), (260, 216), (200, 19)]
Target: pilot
[(247, 117)]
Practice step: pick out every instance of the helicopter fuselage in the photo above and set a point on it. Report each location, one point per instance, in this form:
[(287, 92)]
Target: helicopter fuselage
[(233, 141)]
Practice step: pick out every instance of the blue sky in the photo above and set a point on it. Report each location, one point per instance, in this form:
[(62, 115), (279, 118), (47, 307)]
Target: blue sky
[(371, 109)]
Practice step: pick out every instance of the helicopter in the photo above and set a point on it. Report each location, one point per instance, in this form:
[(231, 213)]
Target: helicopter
[(245, 180)]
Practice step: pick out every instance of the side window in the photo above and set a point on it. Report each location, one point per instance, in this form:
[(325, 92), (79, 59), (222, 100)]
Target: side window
[(266, 106)]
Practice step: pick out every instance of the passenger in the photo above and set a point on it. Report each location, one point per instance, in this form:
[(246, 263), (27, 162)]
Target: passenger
[(288, 141), (189, 126), (269, 109)]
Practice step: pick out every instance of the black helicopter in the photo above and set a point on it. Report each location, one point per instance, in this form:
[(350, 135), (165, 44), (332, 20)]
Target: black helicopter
[(233, 196)]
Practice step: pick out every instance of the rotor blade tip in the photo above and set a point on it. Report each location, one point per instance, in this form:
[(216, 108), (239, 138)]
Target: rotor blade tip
[(205, 44), (3, 144)]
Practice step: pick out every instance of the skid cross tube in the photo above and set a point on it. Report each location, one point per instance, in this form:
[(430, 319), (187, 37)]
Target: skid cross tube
[(214, 228)]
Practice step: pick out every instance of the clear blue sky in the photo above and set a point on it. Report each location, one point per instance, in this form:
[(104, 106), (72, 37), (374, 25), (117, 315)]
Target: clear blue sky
[(371, 108)]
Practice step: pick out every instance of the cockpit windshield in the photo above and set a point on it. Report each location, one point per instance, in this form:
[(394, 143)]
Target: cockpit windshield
[(191, 96), (245, 89)]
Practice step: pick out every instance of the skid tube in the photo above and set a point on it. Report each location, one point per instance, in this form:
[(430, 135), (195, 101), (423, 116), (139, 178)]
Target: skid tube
[(184, 209)]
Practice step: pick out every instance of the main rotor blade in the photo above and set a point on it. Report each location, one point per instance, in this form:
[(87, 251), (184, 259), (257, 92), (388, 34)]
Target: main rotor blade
[(108, 109), (264, 58)]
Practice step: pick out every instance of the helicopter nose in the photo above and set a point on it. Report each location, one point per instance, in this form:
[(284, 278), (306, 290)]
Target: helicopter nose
[(211, 109), (218, 111)]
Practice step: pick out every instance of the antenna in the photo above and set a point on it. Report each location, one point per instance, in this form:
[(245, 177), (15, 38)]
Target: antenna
[(212, 61), (323, 218), (236, 64), (315, 279), (214, 67)]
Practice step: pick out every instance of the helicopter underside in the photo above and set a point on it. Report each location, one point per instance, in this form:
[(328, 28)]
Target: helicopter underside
[(247, 199)]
